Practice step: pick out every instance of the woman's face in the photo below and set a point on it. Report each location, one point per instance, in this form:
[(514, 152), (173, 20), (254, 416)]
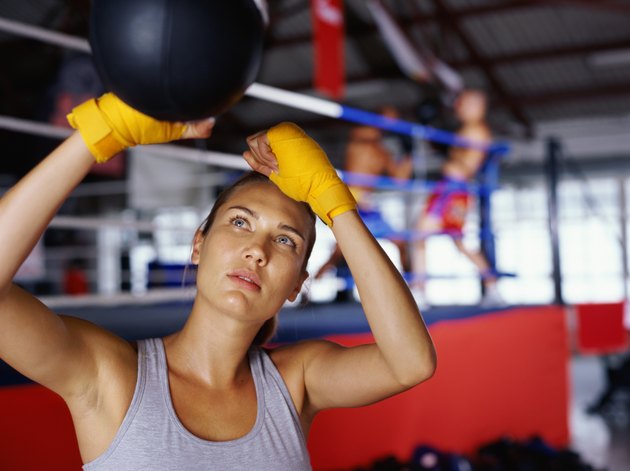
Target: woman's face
[(251, 259)]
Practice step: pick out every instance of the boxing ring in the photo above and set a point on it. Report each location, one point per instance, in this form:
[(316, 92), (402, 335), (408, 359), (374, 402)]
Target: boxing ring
[(488, 177), (511, 380)]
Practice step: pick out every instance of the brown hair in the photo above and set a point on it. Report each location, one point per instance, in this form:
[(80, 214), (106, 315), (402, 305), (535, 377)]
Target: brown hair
[(268, 329)]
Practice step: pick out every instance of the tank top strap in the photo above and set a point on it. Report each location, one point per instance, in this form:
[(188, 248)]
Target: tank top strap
[(151, 382), (274, 386), (154, 362)]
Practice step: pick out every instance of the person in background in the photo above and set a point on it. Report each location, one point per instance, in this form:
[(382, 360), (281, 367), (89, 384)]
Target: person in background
[(447, 206), (366, 158)]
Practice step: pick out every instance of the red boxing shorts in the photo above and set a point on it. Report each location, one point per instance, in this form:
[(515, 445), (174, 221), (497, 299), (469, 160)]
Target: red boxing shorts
[(449, 202)]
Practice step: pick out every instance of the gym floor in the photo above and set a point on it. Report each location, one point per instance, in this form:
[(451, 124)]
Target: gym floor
[(604, 441)]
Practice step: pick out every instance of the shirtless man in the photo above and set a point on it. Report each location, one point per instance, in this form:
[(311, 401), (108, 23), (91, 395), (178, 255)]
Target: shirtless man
[(448, 205), (367, 158)]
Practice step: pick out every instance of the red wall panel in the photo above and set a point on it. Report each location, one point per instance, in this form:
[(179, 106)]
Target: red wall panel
[(498, 374)]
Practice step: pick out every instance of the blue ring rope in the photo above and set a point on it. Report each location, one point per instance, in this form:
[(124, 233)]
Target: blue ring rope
[(382, 182), (418, 131)]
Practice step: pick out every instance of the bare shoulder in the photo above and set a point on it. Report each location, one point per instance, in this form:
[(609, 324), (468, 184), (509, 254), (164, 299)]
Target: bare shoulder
[(292, 361), (297, 355)]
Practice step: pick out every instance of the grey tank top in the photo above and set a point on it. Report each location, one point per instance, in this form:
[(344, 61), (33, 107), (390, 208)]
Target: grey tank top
[(151, 437)]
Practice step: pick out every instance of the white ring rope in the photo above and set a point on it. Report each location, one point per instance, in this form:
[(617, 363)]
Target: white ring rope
[(256, 90), (97, 223), (47, 36), (34, 127), (220, 159), (294, 100), (121, 187), (153, 296)]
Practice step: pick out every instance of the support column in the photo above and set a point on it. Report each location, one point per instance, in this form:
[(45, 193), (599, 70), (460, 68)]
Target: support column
[(554, 154), (623, 223)]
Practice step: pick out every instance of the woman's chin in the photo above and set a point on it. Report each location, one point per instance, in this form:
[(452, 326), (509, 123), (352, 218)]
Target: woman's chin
[(236, 301), (242, 305)]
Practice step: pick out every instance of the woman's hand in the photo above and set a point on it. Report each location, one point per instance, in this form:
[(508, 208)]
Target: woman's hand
[(260, 157), (199, 129), (108, 125), (300, 168)]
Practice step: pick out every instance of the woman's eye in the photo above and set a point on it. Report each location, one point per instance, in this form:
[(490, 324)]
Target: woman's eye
[(286, 240), (239, 222)]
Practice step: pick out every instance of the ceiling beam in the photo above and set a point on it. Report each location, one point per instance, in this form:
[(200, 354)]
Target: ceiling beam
[(574, 95), (278, 14), (466, 12), (355, 30), (359, 31), (605, 5), (548, 53), (367, 53), (492, 8)]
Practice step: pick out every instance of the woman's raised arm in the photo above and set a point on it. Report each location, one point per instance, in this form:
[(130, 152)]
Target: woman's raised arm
[(28, 207), (403, 354), (41, 345)]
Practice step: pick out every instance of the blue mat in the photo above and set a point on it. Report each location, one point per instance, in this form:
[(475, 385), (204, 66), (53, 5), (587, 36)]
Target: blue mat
[(310, 321)]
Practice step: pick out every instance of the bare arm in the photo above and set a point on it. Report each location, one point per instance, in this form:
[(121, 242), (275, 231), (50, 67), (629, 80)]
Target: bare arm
[(57, 352), (27, 208), (32, 339), (403, 354)]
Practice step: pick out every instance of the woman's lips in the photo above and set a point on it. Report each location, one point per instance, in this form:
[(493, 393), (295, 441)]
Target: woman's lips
[(246, 280)]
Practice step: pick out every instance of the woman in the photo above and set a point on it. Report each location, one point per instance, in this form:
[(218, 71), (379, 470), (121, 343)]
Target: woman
[(206, 397)]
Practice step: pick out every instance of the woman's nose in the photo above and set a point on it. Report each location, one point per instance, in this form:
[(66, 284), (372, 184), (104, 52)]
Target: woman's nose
[(256, 251)]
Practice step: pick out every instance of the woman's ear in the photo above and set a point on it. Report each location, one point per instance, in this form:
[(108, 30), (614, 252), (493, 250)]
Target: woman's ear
[(196, 248), (298, 287)]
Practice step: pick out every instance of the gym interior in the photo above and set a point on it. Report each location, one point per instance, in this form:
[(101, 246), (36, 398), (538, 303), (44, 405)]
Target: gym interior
[(538, 379)]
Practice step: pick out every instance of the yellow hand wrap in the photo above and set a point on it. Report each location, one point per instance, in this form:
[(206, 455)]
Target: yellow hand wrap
[(108, 126), (306, 174)]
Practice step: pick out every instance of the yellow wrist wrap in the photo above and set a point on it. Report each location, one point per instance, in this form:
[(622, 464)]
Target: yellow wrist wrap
[(108, 126), (305, 173)]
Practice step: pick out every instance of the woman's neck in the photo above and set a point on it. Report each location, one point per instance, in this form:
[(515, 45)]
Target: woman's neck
[(212, 348)]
